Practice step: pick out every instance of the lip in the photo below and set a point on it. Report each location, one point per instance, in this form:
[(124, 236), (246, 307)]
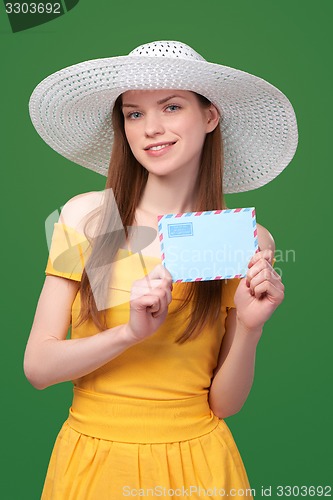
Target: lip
[(159, 152)]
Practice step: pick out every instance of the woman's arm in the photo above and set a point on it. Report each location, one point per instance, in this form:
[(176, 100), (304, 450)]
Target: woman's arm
[(51, 358), (233, 376), (234, 373)]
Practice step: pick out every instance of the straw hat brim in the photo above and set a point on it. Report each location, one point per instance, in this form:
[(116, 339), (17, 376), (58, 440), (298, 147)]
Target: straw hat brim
[(71, 110)]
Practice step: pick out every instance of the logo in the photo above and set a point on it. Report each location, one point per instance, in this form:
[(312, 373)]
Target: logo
[(25, 15)]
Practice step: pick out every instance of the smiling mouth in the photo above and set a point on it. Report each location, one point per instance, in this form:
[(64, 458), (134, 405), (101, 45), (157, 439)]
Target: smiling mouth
[(160, 146)]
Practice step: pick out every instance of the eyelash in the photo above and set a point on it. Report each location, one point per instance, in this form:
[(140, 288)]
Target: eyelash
[(130, 115), (174, 105)]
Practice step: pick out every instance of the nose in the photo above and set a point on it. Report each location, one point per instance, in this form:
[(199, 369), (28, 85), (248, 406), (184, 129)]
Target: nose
[(153, 124)]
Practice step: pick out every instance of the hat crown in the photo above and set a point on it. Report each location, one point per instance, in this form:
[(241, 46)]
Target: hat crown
[(71, 109), (170, 49)]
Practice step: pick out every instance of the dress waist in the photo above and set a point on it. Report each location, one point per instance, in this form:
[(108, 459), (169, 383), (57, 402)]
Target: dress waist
[(135, 420)]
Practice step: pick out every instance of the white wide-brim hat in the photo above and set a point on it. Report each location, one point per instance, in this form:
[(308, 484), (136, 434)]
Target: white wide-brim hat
[(71, 109)]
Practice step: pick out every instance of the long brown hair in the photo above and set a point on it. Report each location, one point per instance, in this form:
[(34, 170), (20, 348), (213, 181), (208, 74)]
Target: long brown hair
[(205, 296)]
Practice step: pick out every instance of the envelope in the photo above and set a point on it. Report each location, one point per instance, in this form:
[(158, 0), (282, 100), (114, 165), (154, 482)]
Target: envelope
[(210, 245)]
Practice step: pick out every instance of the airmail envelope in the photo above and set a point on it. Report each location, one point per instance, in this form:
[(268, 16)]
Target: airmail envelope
[(212, 245)]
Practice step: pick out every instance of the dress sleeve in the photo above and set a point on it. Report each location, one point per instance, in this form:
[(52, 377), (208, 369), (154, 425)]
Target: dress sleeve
[(68, 253), (228, 291)]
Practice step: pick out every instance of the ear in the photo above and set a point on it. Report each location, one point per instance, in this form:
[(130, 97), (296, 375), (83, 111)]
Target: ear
[(213, 118)]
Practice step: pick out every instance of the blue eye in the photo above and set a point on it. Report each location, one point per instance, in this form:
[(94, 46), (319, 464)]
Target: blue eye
[(134, 115), (173, 107)]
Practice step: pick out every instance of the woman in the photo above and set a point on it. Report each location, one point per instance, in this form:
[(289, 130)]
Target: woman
[(156, 367)]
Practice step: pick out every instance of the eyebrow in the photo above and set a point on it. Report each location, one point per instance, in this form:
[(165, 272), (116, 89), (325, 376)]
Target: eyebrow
[(162, 101)]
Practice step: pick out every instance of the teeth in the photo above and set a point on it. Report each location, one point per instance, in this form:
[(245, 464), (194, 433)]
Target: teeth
[(156, 148)]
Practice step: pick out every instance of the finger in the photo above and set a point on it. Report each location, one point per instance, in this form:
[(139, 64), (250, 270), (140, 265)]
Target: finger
[(154, 278), (266, 254), (150, 302), (142, 287), (265, 274), (168, 295), (273, 293), (139, 290), (160, 272), (159, 303), (261, 264), (158, 283), (164, 300)]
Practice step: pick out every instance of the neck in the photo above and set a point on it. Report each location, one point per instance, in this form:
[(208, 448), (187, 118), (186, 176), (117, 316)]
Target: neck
[(166, 195)]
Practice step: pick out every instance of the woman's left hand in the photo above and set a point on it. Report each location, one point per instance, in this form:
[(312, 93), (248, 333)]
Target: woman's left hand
[(259, 293)]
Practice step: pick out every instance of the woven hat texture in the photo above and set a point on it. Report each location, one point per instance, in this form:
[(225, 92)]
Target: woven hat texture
[(71, 109)]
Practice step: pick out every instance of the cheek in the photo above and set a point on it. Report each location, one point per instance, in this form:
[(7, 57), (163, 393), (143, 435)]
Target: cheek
[(130, 136), (196, 136), (194, 127)]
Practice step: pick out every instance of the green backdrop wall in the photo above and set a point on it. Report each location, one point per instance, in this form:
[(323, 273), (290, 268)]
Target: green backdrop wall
[(284, 430)]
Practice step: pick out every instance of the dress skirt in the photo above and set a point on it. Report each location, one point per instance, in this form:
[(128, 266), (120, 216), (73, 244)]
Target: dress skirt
[(113, 447)]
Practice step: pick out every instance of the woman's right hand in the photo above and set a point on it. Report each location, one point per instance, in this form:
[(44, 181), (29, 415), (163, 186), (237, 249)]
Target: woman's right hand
[(149, 301)]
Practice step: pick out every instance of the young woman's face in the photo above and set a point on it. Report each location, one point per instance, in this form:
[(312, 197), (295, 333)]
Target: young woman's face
[(166, 129)]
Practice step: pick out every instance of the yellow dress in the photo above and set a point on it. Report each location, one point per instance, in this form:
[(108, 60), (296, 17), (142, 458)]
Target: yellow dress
[(141, 425)]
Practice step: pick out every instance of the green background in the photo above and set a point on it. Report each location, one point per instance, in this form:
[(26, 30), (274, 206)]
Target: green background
[(284, 430)]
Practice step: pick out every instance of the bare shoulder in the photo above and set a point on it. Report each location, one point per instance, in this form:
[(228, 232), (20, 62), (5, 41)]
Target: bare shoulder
[(265, 239), (77, 210)]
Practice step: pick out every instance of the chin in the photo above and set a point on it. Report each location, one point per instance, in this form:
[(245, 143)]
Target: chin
[(159, 171)]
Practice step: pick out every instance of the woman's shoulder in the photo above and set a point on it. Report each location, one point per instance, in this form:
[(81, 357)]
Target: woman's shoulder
[(76, 210)]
